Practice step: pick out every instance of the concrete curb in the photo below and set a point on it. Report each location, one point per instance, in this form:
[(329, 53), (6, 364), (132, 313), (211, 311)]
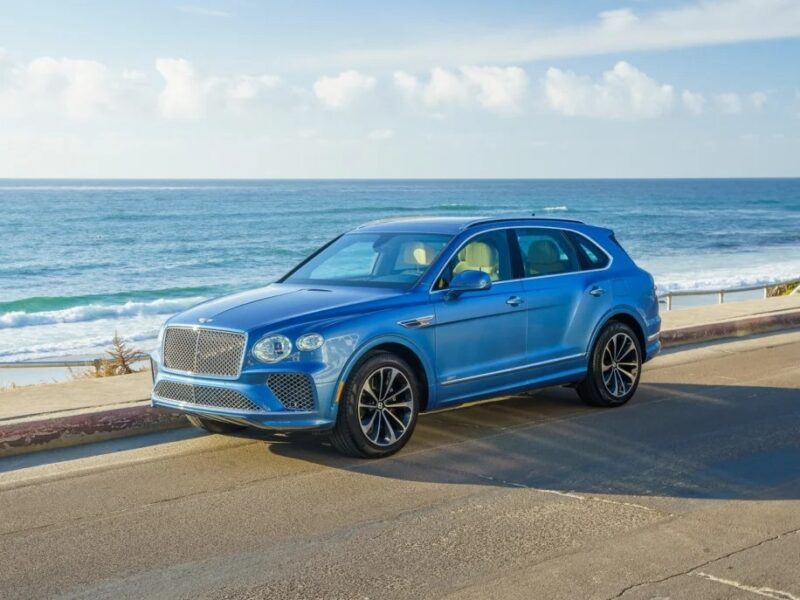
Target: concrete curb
[(729, 329), (46, 434)]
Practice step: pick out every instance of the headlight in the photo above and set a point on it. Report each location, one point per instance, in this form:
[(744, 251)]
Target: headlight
[(309, 341), (272, 348)]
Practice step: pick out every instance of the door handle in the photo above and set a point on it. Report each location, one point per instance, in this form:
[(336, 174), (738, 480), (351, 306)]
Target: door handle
[(514, 301), (597, 291)]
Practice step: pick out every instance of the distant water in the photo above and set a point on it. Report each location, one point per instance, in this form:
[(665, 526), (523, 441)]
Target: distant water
[(81, 259)]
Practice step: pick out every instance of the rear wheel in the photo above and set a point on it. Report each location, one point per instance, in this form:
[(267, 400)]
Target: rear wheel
[(379, 408), (214, 426), (614, 367)]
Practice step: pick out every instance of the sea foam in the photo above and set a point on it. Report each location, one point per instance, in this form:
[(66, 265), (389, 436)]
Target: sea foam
[(93, 312)]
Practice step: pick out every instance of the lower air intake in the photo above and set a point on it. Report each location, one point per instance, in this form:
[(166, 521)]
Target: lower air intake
[(203, 395), (293, 390)]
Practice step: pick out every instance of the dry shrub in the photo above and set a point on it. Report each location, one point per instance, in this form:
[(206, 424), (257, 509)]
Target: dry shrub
[(781, 290), (121, 359)]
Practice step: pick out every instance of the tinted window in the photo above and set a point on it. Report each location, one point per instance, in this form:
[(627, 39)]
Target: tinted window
[(546, 252), (379, 259), (590, 255), (488, 252)]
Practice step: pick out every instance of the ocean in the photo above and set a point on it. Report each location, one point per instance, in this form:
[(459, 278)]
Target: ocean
[(80, 260)]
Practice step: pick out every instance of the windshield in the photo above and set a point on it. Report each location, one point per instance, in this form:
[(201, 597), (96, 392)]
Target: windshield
[(372, 259)]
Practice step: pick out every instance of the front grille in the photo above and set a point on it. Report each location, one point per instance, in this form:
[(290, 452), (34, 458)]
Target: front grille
[(203, 395), (203, 351), (293, 390)]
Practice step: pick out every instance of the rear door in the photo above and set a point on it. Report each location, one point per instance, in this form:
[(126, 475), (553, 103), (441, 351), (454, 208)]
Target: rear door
[(565, 300)]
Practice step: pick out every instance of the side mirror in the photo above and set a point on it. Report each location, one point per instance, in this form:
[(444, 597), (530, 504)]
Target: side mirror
[(468, 281)]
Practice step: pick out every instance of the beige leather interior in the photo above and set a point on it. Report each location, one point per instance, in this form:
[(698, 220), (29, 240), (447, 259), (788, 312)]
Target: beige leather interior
[(543, 258), (417, 254), (478, 256)]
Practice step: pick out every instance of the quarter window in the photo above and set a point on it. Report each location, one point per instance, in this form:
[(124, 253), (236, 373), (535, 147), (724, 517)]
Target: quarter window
[(590, 255), (546, 252), (488, 252)]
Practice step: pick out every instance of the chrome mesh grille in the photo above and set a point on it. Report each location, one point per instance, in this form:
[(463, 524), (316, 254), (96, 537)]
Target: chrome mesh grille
[(203, 395), (293, 390), (203, 351)]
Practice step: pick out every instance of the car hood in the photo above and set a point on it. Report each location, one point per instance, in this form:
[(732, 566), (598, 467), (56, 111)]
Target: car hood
[(281, 304)]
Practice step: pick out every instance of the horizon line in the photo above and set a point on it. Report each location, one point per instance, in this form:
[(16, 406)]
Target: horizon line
[(267, 179)]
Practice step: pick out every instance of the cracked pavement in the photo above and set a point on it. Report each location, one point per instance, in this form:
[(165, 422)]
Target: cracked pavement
[(690, 491)]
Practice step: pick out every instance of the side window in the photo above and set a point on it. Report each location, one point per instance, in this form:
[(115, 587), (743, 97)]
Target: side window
[(488, 252), (590, 255), (546, 252)]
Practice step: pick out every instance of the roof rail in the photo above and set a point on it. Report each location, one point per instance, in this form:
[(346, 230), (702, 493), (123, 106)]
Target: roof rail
[(531, 217), (397, 218)]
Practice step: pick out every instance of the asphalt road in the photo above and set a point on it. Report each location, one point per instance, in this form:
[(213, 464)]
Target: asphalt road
[(690, 491)]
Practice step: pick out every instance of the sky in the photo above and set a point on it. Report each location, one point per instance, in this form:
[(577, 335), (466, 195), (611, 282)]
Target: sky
[(362, 89)]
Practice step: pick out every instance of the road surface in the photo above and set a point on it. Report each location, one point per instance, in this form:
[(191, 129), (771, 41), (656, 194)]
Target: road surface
[(690, 491)]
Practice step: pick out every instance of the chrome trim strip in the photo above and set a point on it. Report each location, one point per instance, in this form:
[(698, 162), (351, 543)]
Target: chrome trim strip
[(654, 337), (202, 375), (533, 277), (417, 322), (512, 369)]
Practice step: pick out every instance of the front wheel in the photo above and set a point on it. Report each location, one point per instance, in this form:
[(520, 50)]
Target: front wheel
[(614, 367), (379, 408)]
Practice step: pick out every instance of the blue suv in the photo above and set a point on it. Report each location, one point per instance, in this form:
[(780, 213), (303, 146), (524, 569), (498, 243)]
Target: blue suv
[(402, 316)]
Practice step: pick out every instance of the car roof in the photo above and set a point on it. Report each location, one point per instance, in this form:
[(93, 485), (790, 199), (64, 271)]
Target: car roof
[(453, 224)]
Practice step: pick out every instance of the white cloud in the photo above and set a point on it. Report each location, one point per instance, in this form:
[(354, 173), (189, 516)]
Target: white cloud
[(381, 134), (493, 88), (80, 85), (729, 103), (499, 89), (624, 93), (203, 11), (693, 101), (702, 23), (617, 20), (443, 89), (344, 89), (182, 96), (758, 100), (186, 95)]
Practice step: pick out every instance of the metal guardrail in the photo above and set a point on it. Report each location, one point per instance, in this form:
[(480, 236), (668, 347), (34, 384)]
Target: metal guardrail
[(720, 293), (96, 363)]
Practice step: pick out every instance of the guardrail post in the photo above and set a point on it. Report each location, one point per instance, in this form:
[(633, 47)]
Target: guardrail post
[(766, 292), (721, 296), (669, 301)]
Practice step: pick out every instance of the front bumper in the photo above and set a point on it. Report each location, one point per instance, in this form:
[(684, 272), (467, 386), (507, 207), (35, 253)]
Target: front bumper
[(265, 410)]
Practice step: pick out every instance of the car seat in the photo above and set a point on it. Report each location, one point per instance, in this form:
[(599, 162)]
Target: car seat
[(544, 258), (478, 256)]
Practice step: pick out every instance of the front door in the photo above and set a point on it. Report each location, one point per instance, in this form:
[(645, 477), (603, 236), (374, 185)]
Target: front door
[(481, 336)]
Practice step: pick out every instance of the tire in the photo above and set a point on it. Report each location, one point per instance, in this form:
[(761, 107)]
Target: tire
[(214, 426), (615, 367), (386, 382)]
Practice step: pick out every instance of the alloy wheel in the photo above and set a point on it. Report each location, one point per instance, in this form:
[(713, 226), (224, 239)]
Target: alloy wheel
[(385, 406), (620, 365)]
